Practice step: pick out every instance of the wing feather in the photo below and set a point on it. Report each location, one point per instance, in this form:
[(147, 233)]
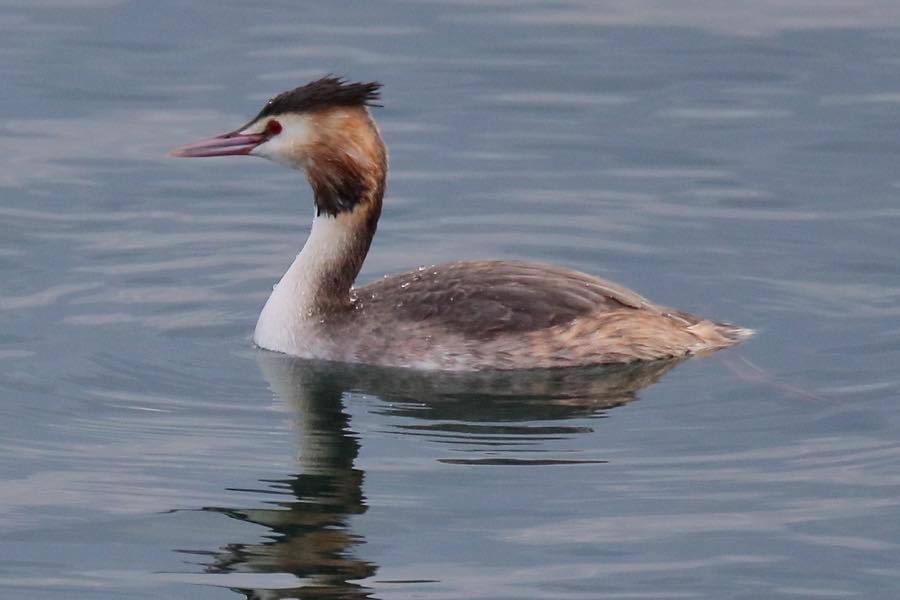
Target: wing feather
[(486, 299)]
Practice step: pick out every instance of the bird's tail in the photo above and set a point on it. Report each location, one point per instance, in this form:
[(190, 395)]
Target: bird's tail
[(715, 336), (735, 333)]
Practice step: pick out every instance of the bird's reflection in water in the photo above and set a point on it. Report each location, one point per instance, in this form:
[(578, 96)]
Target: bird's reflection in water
[(310, 536)]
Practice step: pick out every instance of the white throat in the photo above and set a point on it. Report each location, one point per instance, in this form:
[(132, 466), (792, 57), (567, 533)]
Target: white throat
[(291, 315)]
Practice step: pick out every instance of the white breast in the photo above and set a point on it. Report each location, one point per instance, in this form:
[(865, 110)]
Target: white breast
[(289, 321)]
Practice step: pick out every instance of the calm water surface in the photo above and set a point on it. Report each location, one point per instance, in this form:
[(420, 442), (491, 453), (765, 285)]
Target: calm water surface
[(738, 162)]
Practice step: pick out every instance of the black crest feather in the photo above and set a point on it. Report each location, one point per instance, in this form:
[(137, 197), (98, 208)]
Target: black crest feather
[(327, 92)]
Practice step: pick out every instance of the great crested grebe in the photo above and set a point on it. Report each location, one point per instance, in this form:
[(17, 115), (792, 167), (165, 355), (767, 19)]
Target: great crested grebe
[(460, 316)]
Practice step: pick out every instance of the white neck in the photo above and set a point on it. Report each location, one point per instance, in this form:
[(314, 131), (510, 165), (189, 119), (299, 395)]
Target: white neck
[(295, 306)]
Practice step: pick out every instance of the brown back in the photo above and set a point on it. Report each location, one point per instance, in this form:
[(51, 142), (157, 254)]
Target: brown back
[(487, 299)]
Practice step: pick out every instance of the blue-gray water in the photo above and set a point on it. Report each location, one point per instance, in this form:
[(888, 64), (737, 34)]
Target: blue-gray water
[(738, 160)]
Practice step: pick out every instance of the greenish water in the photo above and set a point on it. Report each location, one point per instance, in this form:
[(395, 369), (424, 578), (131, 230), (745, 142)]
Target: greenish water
[(736, 161)]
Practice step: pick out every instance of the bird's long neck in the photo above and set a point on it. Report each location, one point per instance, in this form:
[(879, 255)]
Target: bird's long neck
[(320, 278), (348, 188)]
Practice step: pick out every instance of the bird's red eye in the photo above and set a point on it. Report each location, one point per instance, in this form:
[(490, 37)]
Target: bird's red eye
[(273, 127)]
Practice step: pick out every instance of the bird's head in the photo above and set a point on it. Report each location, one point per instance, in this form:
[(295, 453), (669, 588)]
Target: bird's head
[(323, 128)]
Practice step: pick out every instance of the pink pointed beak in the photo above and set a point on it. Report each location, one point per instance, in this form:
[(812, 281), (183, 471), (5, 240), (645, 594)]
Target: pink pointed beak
[(227, 144)]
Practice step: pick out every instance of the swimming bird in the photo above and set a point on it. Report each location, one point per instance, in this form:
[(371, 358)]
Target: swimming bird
[(459, 316)]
